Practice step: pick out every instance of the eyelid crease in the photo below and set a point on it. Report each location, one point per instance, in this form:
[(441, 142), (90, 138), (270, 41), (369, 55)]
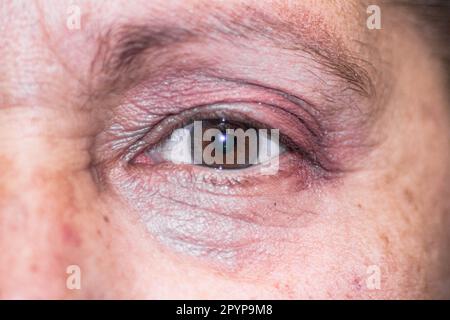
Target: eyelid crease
[(303, 147), (148, 105), (123, 49)]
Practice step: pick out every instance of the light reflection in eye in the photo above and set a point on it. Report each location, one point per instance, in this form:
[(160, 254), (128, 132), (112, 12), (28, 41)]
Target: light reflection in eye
[(219, 144)]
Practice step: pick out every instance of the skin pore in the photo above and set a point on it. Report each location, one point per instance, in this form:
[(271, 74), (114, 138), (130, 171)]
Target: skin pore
[(364, 184)]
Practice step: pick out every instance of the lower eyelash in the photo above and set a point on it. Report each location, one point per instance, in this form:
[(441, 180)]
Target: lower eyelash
[(228, 182)]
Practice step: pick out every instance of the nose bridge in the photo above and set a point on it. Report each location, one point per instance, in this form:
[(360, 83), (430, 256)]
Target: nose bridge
[(43, 160)]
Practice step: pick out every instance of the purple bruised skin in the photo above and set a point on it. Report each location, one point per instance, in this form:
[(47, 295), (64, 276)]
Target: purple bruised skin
[(362, 182)]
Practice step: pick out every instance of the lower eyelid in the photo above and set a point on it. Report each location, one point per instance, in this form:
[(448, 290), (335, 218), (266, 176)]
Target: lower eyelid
[(203, 219), (225, 219), (229, 182), (191, 186)]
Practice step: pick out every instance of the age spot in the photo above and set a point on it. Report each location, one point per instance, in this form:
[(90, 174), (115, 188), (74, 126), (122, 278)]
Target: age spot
[(70, 236)]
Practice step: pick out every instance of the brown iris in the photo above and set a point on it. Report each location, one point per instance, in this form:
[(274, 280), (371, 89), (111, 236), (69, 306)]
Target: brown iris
[(226, 144)]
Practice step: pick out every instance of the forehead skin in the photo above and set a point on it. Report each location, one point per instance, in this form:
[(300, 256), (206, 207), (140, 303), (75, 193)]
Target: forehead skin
[(38, 32), (393, 213)]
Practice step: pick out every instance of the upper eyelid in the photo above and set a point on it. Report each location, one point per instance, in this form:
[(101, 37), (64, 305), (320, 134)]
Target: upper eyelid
[(209, 89), (229, 91), (145, 106), (307, 148)]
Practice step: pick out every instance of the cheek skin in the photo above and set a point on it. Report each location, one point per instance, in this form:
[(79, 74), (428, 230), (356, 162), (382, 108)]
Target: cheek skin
[(401, 196), (51, 215), (38, 236), (326, 258), (232, 225), (320, 256)]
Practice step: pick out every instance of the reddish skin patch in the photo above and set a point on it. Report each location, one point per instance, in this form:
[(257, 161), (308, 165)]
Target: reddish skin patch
[(285, 289), (34, 268), (410, 198), (70, 236), (357, 284)]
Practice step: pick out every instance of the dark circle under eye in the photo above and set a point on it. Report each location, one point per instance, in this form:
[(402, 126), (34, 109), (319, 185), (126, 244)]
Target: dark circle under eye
[(230, 144)]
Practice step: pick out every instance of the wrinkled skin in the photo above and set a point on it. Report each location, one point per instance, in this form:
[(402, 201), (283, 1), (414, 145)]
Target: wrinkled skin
[(66, 198)]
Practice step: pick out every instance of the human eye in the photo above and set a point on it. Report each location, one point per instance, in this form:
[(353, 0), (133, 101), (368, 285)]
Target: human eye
[(220, 209), (240, 141), (220, 144)]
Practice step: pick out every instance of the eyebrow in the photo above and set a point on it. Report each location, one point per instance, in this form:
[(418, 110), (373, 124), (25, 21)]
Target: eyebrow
[(122, 49)]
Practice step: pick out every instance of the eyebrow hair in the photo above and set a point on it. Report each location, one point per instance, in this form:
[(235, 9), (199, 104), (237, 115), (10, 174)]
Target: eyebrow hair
[(121, 49)]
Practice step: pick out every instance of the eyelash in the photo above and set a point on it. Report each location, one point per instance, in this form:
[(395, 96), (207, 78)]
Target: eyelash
[(162, 130)]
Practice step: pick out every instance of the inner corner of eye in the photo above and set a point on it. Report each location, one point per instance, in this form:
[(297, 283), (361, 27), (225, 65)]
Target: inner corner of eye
[(218, 144)]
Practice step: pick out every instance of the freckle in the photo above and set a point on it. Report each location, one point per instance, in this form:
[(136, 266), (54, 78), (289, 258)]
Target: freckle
[(34, 268), (70, 236), (356, 283), (285, 289), (388, 179), (385, 239), (360, 205), (409, 196)]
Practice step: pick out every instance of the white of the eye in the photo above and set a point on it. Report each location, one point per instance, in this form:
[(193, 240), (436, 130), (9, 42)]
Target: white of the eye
[(177, 148), (269, 148)]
